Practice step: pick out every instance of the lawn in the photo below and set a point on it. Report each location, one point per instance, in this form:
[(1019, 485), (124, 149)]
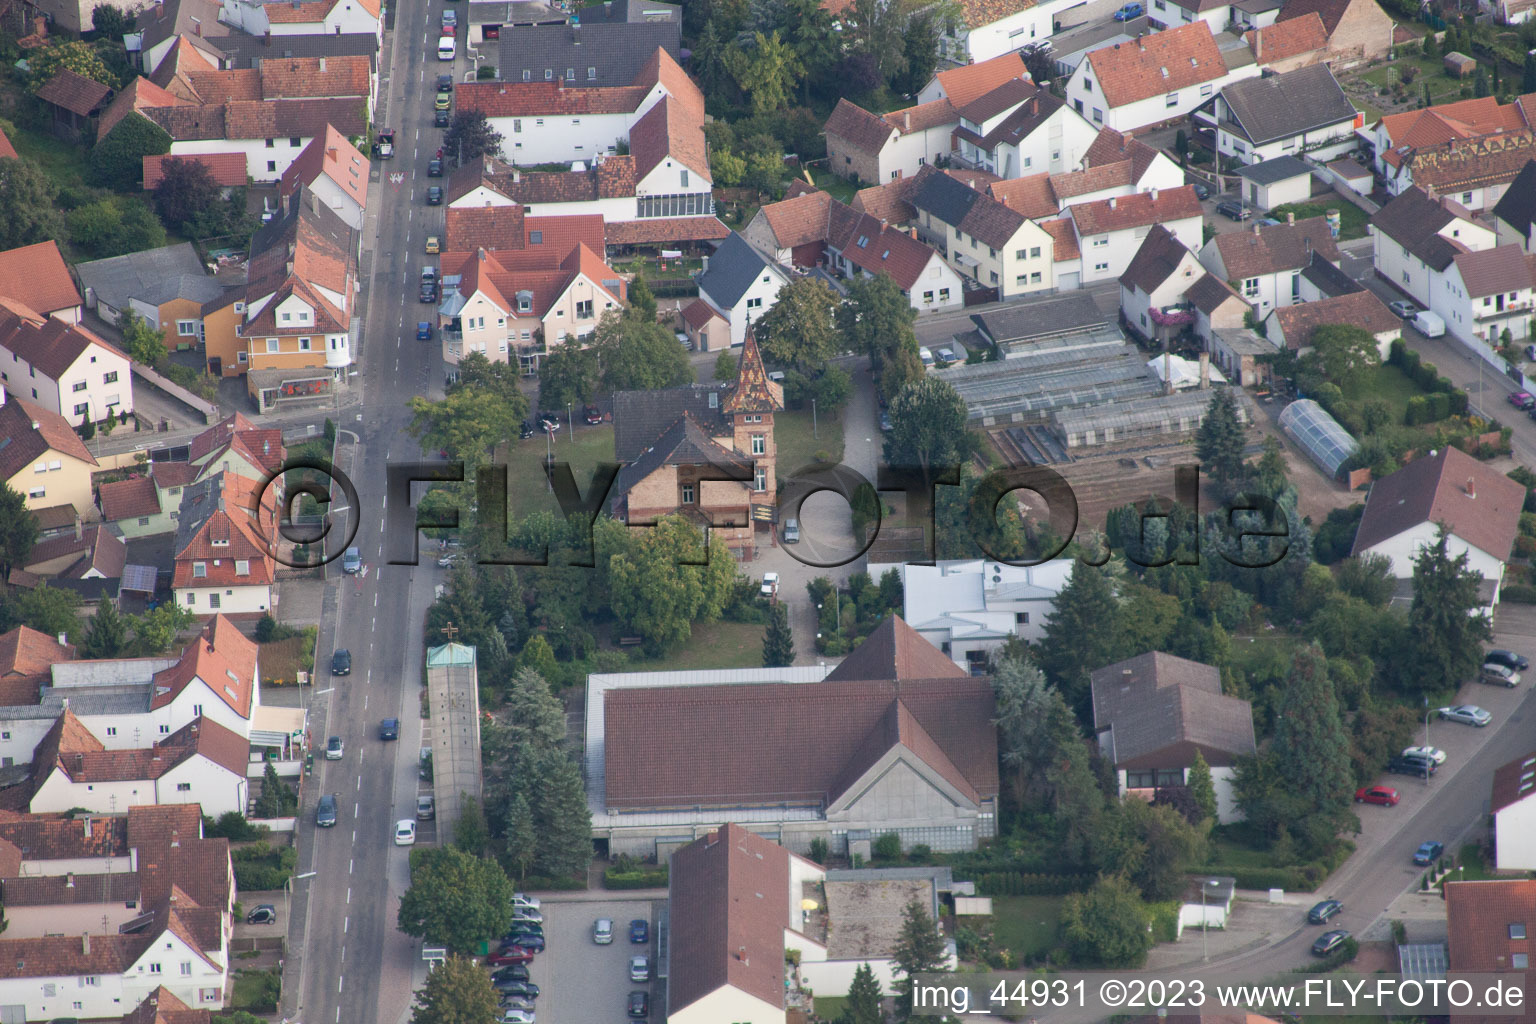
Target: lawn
[(799, 445), (527, 489), (1027, 925), (257, 991), (1473, 868), (1351, 218), (1442, 89), (830, 1007), (838, 188), (63, 162), (713, 645), (1387, 384)]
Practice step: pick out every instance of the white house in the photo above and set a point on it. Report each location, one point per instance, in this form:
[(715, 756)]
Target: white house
[(982, 30), (968, 609), (741, 284), (1292, 327), (1514, 815), (335, 171), (1044, 135), (304, 17), (1110, 231), (1301, 112), (1159, 277), (1483, 294), (984, 239), (874, 148), (62, 367), (1160, 77), (1267, 262), (971, 81), (1276, 182), (1218, 14), (223, 558), (1479, 506), (201, 763), (1153, 712), (1416, 236)]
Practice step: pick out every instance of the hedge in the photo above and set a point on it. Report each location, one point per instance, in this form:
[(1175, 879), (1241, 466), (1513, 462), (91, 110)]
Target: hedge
[(260, 868), (651, 878), (541, 883), (1019, 883), (1519, 593), (673, 287)]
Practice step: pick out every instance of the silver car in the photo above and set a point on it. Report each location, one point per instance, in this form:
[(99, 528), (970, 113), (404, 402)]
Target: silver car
[(639, 968), (602, 931), (1468, 714)]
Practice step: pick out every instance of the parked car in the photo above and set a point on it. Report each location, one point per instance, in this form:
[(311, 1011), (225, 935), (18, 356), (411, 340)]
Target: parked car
[(525, 431), (1522, 400), (592, 415), (1509, 658), (429, 291), (435, 195), (791, 531), (1320, 913), (1383, 796), (262, 913), (423, 330), (639, 968), (517, 1017), (1434, 754), (445, 83), (770, 585), (333, 749), (885, 421), (527, 989), (946, 355), (520, 900), (926, 356), (351, 560), (435, 166), (1403, 308), (513, 1001), (1467, 714), (1499, 675), (1202, 191), (508, 955), (1428, 853), (325, 811), (639, 931), (341, 662), (528, 940), (426, 807), (1329, 942), (405, 832), (440, 119), (389, 729), (602, 931), (1233, 210), (1130, 12), (511, 972), (442, 101), (1428, 324), (639, 1004), (450, 17), (1418, 767)]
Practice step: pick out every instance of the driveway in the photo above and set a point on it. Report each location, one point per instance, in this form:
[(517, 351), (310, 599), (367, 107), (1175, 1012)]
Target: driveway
[(581, 981)]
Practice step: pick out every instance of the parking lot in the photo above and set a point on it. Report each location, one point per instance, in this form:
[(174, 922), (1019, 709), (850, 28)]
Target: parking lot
[(578, 979)]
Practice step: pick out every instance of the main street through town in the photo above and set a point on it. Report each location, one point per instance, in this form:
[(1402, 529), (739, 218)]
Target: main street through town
[(348, 961)]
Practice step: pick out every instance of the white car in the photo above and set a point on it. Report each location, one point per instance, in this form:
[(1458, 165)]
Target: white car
[(602, 931), (526, 914), (770, 584), (530, 902), (925, 355), (405, 832), (1434, 754), (639, 968), (1467, 714), (517, 1017), (947, 355)]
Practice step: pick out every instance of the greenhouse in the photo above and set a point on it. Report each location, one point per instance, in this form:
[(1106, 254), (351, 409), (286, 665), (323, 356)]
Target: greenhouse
[(1319, 434), (1145, 420)]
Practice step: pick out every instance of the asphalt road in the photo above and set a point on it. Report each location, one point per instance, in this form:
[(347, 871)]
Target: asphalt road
[(356, 965)]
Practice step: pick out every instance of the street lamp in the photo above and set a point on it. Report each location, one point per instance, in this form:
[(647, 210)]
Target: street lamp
[(570, 421), (288, 889), (1205, 948), (1426, 739)]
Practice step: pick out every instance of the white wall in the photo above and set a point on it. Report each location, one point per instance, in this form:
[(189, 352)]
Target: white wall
[(727, 1004), (1403, 548), (261, 163), (339, 200), (764, 291), (1322, 145), (1289, 190), (1105, 256), (248, 598), (112, 993), (560, 139), (983, 42), (1448, 297), (1514, 837), (935, 278), (833, 978), (1142, 113), (907, 153)]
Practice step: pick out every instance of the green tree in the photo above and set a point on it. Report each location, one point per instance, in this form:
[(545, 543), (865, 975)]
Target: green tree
[(766, 72), (725, 365), (778, 641), (862, 1004), (730, 169), (46, 609), (117, 162), (920, 48), (455, 900), (466, 423), (457, 992), (799, 330), (1081, 634), (470, 137), (186, 189), (667, 580), (1221, 439), (107, 635), (469, 832), (536, 716), (145, 344), (156, 630), (76, 55), (562, 819), (568, 375), (1344, 354), (114, 226), (1311, 747), (1445, 634), (27, 211), (18, 530), (1201, 788), (877, 321), (635, 353), (1168, 848), (277, 798), (1107, 926), (522, 840), (1024, 727), (110, 23), (928, 428), (1480, 86), (1528, 74), (919, 949), (537, 658), (642, 301)]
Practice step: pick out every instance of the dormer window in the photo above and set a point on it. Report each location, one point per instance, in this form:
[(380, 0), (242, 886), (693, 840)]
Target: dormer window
[(863, 241), (199, 570), (525, 302)]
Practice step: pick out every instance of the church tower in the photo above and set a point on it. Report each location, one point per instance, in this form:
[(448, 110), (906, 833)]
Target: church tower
[(750, 405)]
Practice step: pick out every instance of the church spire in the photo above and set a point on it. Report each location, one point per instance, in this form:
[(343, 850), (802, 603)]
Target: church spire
[(753, 391)]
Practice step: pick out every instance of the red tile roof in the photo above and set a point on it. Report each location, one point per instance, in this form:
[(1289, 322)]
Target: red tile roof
[(505, 231), (129, 499), (1357, 309), (935, 114), (1064, 239), (162, 1007), (540, 99), (227, 169), (669, 130), (863, 131), (262, 448), (1287, 39), (801, 220), (315, 76), (894, 650), (886, 250), (1433, 489), (223, 658), (1032, 196), (698, 313), (50, 345), (1163, 62), (137, 96), (1478, 916), (220, 526), (35, 275), (1141, 209), (213, 86), (6, 149), (962, 85), (26, 660), (658, 230), (333, 156), (74, 92)]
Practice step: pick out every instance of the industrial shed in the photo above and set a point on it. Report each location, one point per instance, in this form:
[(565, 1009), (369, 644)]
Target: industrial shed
[(1148, 420), (1318, 434)]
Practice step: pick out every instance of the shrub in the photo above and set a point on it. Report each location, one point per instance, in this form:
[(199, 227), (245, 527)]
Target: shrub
[(1519, 593), (1018, 883), (260, 868), (819, 850), (1418, 411), (644, 878), (887, 847)]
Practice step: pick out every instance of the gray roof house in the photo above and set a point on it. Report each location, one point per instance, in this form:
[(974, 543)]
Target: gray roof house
[(1295, 112), (1515, 213), (741, 284), (606, 46), (146, 281), (1153, 712)]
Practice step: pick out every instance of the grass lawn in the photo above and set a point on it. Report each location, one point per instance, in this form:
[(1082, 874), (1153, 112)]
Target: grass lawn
[(1442, 89), (830, 1007), (257, 991), (1351, 217), (63, 162), (838, 188), (527, 490), (714, 645), (1387, 384), (798, 445), (1473, 868), (1026, 924)]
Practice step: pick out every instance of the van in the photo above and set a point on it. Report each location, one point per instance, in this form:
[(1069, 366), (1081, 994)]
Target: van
[(1428, 324), (445, 48)]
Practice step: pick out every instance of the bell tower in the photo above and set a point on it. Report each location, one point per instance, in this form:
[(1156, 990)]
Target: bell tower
[(750, 404)]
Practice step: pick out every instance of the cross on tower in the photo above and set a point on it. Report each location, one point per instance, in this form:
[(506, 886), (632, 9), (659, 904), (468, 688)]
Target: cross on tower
[(450, 631)]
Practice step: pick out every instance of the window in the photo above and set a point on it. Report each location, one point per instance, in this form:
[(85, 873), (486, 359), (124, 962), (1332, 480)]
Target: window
[(943, 294), (1101, 267), (1296, 285), (517, 125), (109, 378), (928, 298), (213, 600), (760, 479), (994, 277), (272, 345), (111, 731), (570, 74), (270, 143), (155, 968), (684, 179), (535, 238), (1517, 930), (199, 570), (186, 965), (295, 141), (754, 303), (1206, 90), (687, 494), (1021, 254), (1034, 278), (1250, 287), (242, 567), (79, 385), (1171, 101), (143, 520), (50, 991), (38, 492), (1101, 241), (759, 444), (591, 74), (584, 309), (527, 75), (303, 344), (1519, 961), (1088, 83), (1034, 252), (186, 328), (272, 166), (83, 409), (1021, 618), (1466, 199), (1098, 116)]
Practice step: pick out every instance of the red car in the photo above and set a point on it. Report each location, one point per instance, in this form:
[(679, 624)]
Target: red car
[(1522, 400), (509, 955), (1386, 796)]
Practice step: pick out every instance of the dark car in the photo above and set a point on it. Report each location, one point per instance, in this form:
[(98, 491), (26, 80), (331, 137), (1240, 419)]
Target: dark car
[(262, 913), (512, 972), (1428, 853), (389, 729), (1202, 192), (1509, 659), (1323, 911), (1328, 942), (435, 195), (639, 1004), (429, 291), (1418, 767), (549, 422), (509, 955), (434, 168), (445, 83), (525, 430), (440, 119), (531, 941), (517, 988), (1233, 210), (639, 931), (592, 414), (341, 662), (423, 330), (325, 811)]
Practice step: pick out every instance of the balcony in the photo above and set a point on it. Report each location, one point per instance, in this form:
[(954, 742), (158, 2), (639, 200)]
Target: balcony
[(1522, 307)]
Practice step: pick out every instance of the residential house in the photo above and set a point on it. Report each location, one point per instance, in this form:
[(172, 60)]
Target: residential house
[(970, 609), (93, 552), (1160, 77), (535, 243), (304, 17), (144, 904), (523, 314), (983, 30), (75, 102), (1416, 235), (127, 702), (1275, 182), (1486, 296), (160, 1007), (271, 133), (166, 287), (968, 82), (740, 284), (1514, 215), (1110, 231), (1296, 113), (1292, 327), (1479, 141), (180, 29), (7, 151), (63, 367), (895, 739), (1154, 712), (27, 658), (1358, 30), (141, 505), (223, 547), (1479, 507), (234, 445), (1265, 264), (1114, 165), (984, 239), (1289, 45), (1066, 253), (336, 172), (42, 457), (1043, 134), (1488, 931), (706, 329), (1513, 806), (279, 76), (1476, 172), (873, 148), (601, 45), (226, 169), (704, 451), (36, 277), (202, 763), (1509, 12), (1156, 284)]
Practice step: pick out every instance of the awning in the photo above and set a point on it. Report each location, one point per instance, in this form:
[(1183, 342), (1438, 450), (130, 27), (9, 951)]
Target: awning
[(272, 727)]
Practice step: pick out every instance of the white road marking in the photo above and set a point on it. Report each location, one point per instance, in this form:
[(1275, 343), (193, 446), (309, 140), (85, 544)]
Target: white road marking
[(359, 789), (349, 895), (339, 980), (349, 865), (355, 808), (346, 924)]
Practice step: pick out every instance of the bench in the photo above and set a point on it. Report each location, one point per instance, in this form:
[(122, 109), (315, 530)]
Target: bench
[(630, 641)]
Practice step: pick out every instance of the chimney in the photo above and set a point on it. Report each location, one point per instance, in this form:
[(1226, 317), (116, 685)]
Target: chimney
[(1290, 218), (63, 639), (322, 63), (290, 266), (970, 183), (266, 38), (197, 26), (78, 530), (516, 175), (69, 879), (883, 225), (154, 750), (1205, 370), (85, 944), (741, 954), (906, 121), (1154, 195), (1139, 44), (87, 822), (1255, 227), (911, 231), (1112, 201), (1471, 488)]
